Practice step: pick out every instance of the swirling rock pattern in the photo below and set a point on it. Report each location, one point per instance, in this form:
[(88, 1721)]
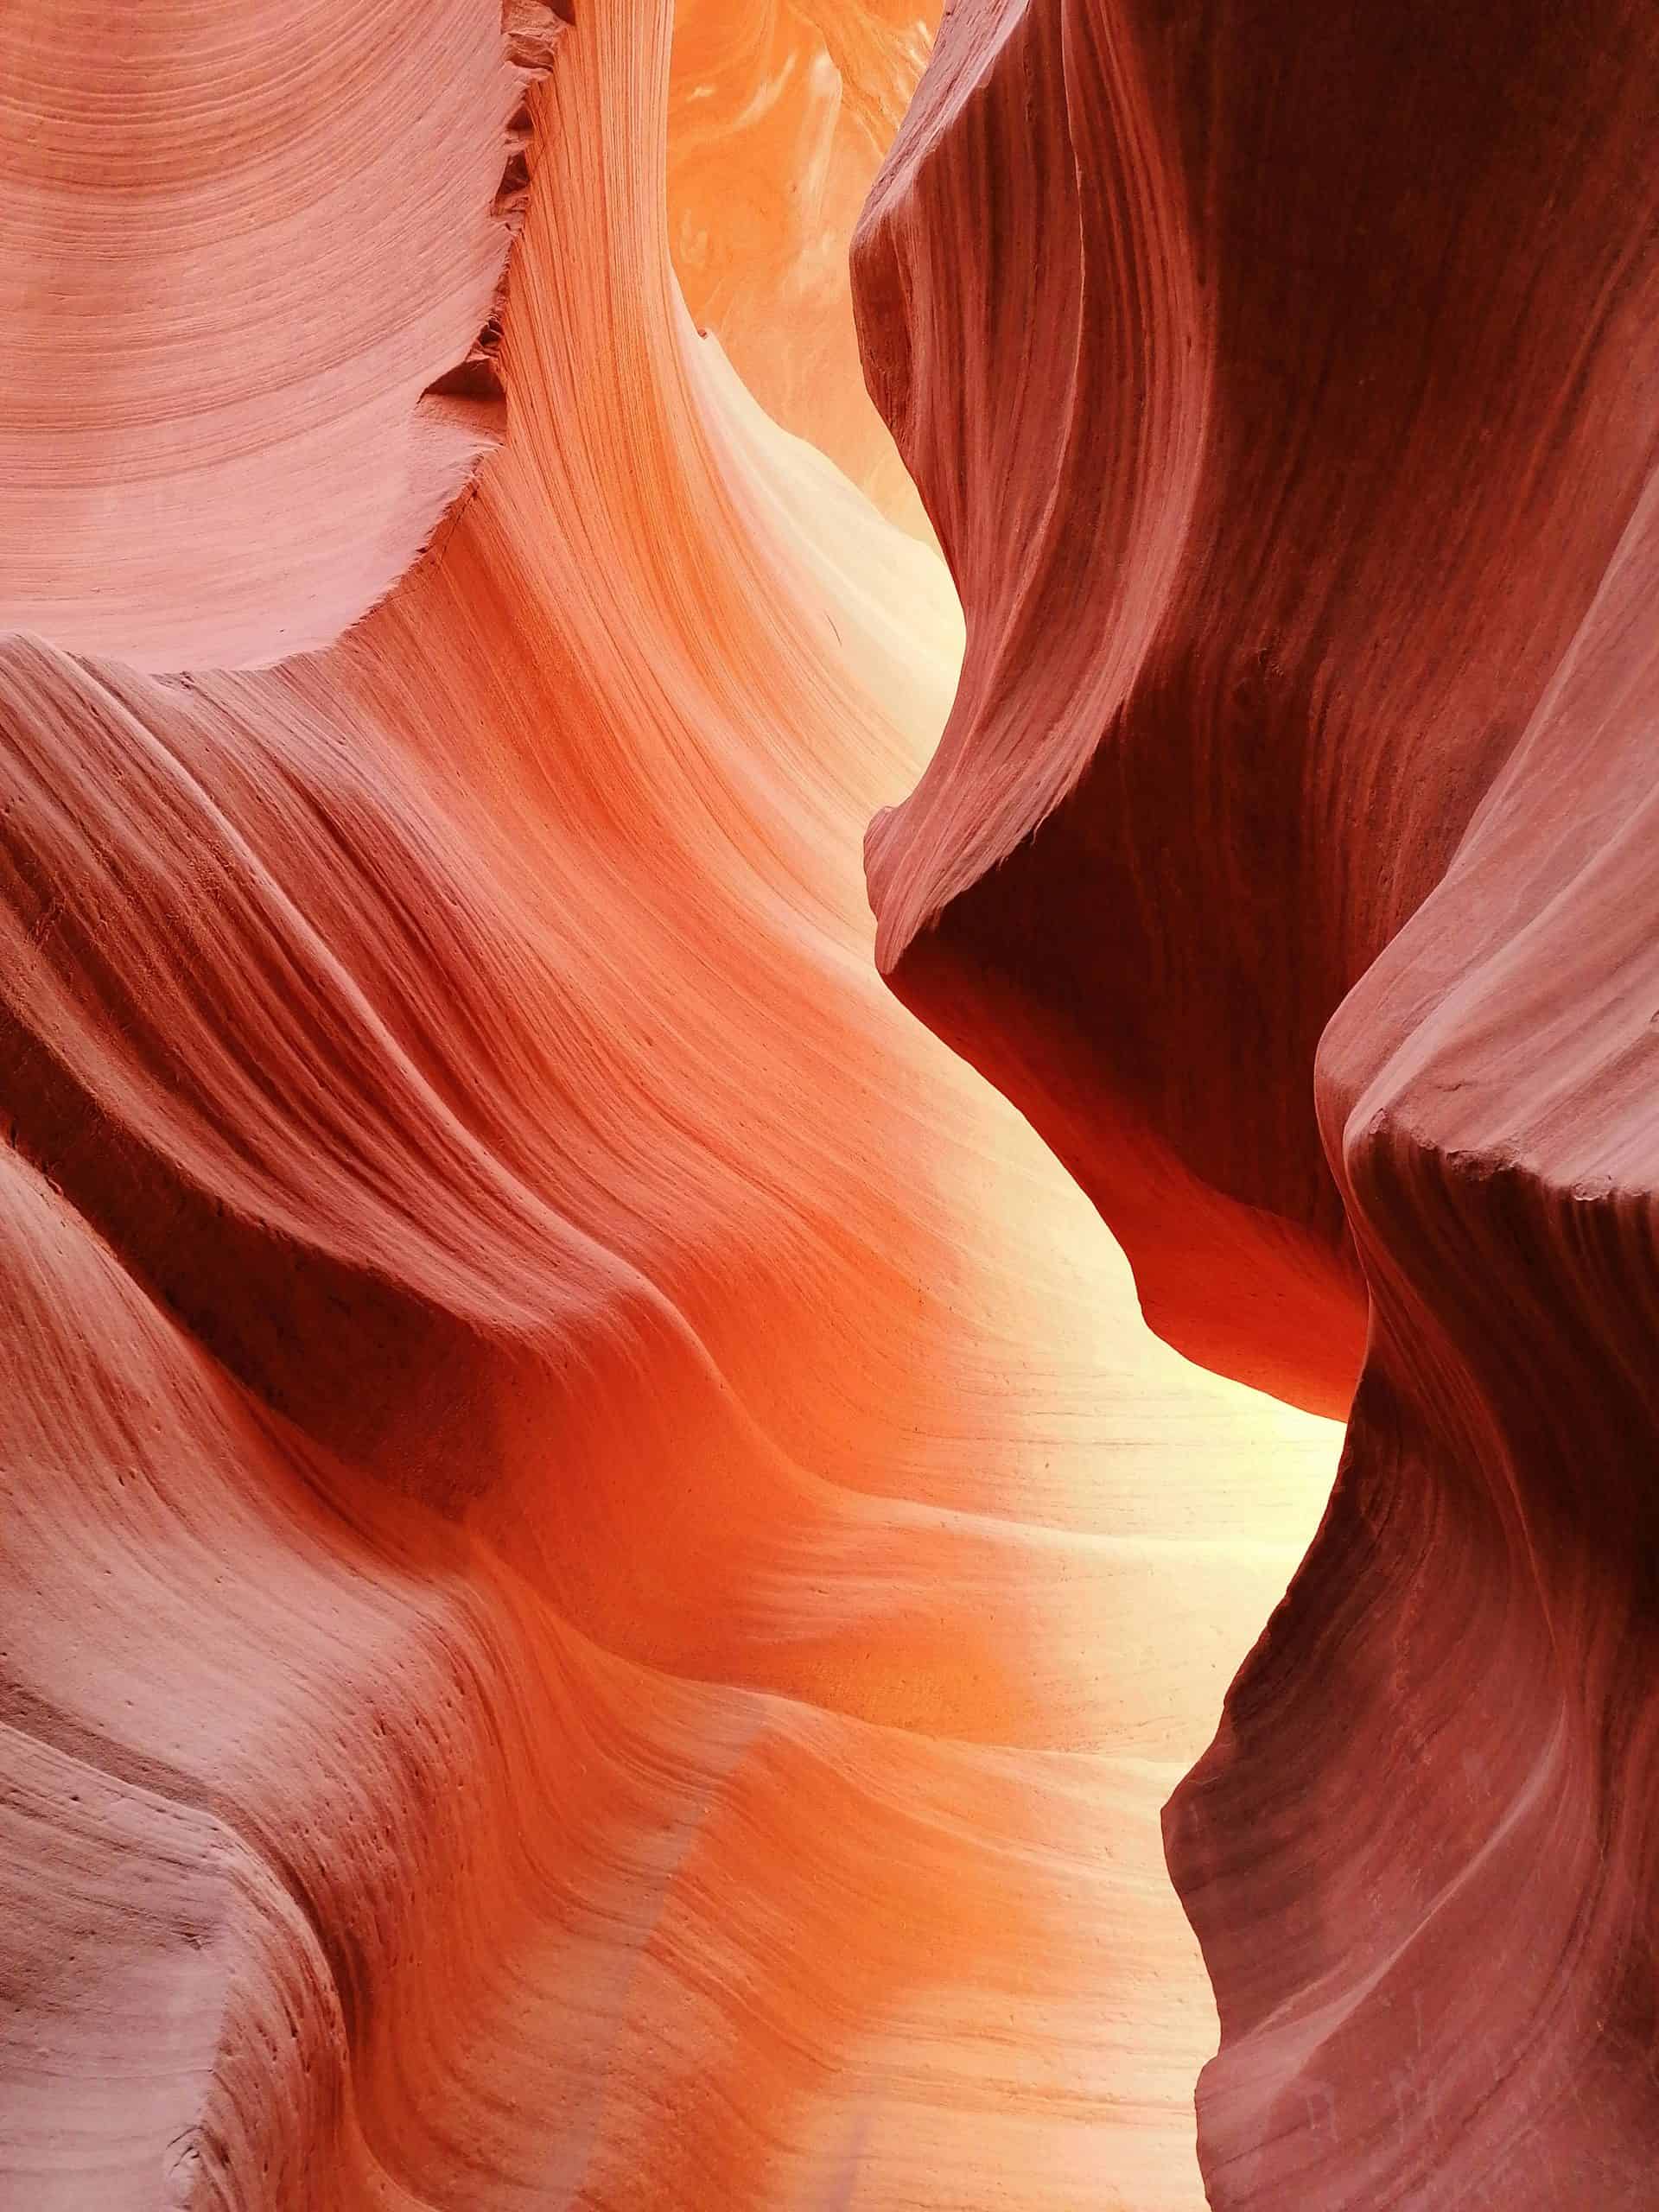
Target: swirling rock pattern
[(600, 1588), (245, 258), (1281, 386)]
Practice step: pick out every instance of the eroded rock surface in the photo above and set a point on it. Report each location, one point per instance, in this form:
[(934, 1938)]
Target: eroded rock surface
[(244, 254), (1282, 387), (600, 1586)]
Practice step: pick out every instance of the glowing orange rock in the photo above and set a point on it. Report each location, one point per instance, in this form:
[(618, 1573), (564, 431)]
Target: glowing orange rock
[(600, 1586), (778, 116)]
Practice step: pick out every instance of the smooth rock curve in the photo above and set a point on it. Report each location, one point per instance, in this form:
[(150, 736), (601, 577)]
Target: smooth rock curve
[(1281, 386)]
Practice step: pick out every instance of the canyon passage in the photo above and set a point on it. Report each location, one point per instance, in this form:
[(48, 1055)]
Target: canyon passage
[(830, 964)]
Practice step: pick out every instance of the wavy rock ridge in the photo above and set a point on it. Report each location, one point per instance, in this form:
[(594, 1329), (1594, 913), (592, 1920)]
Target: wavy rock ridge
[(601, 1589), (247, 251), (1281, 388)]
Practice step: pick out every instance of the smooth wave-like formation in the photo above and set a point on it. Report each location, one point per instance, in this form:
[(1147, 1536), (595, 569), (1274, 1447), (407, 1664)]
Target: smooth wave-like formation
[(1281, 386), (246, 256), (600, 1588)]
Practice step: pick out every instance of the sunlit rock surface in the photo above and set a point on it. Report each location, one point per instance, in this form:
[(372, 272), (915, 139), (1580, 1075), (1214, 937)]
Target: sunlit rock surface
[(601, 1585), (779, 112), (1281, 384)]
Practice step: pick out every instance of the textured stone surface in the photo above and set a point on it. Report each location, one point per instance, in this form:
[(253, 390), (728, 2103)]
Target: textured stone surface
[(1281, 386), (601, 1588), (245, 253)]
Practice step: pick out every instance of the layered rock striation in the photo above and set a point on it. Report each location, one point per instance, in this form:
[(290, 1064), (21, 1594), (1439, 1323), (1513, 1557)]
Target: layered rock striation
[(601, 1589), (248, 255), (1281, 388)]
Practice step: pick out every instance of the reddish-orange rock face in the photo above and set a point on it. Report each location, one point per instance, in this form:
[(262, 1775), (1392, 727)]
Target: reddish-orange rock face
[(1281, 386), (606, 1601), (601, 1588), (779, 112)]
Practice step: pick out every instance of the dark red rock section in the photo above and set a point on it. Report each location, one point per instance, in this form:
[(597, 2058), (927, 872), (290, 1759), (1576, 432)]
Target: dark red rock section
[(1282, 382)]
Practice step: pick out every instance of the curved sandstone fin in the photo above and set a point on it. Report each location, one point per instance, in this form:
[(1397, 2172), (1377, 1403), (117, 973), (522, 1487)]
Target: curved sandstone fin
[(1288, 858)]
